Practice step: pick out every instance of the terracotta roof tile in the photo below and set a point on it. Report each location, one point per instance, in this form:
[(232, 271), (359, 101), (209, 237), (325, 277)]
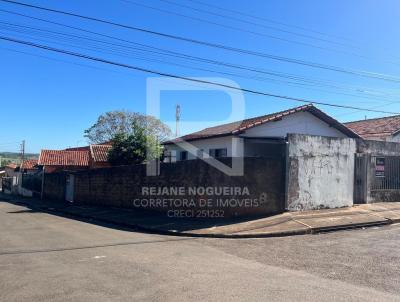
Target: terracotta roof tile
[(63, 158), (378, 129), (237, 127), (99, 152), (29, 164)]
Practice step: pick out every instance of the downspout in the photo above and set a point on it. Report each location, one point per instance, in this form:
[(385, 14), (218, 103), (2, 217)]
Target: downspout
[(286, 163)]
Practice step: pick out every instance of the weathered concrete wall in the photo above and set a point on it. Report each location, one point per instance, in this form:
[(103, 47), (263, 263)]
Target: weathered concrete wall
[(320, 172), (123, 187), (378, 147)]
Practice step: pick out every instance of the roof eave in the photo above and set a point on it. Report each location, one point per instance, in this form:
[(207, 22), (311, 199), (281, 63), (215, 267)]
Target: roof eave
[(198, 138)]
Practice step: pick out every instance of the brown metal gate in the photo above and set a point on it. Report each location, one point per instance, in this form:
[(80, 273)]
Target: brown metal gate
[(360, 178)]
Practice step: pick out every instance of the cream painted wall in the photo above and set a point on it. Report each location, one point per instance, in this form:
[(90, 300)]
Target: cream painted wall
[(233, 144), (395, 138), (299, 123)]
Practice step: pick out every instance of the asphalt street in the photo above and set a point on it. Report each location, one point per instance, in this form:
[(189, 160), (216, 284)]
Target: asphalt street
[(45, 257)]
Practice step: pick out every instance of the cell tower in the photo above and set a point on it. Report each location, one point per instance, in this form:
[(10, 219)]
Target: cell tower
[(178, 117)]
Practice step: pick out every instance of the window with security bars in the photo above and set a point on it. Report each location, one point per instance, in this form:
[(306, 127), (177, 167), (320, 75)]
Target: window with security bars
[(218, 153)]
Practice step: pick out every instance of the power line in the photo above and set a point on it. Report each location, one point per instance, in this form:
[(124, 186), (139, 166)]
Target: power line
[(197, 68), (161, 51), (229, 26), (101, 60), (225, 9), (263, 79), (220, 46), (213, 13), (224, 25), (56, 60)]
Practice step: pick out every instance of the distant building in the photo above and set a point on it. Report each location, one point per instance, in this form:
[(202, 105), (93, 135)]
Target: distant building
[(11, 170), (98, 156), (58, 160), (380, 129), (75, 159), (29, 166)]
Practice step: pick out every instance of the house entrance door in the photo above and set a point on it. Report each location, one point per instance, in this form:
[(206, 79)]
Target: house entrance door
[(69, 187)]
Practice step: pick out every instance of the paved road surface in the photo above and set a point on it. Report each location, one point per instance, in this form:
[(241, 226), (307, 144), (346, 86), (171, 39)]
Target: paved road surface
[(44, 257)]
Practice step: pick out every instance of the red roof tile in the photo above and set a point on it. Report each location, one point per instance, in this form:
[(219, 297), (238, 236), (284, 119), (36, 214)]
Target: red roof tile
[(83, 148), (64, 158), (29, 164), (99, 152), (377, 129), (240, 126)]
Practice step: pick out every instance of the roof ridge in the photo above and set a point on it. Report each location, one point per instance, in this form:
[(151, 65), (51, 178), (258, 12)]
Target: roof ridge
[(238, 126), (260, 116), (372, 119)]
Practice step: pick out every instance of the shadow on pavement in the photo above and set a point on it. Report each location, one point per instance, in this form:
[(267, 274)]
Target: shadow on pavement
[(120, 218)]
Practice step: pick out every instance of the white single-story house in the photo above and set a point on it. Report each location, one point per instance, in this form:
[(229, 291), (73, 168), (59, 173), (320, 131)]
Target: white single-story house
[(256, 137)]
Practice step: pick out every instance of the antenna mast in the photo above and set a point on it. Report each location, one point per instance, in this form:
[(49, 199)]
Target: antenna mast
[(178, 117), (22, 153)]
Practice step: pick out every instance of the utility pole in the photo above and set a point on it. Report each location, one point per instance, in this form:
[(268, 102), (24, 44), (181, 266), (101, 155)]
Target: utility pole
[(178, 117), (22, 153)]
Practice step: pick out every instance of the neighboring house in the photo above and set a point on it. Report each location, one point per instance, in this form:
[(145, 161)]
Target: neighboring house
[(97, 153), (57, 160), (98, 156), (12, 173), (11, 170), (2, 174), (30, 166), (380, 129), (259, 136), (78, 158)]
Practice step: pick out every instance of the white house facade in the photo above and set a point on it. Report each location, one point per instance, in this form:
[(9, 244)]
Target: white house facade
[(262, 136)]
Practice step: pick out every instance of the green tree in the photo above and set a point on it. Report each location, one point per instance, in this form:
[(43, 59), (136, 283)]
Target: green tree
[(134, 148), (111, 123)]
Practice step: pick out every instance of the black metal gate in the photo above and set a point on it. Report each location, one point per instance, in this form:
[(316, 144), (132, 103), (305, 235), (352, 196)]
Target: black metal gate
[(386, 173)]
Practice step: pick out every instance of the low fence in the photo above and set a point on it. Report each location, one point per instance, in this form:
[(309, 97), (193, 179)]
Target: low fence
[(6, 184), (384, 179), (190, 188)]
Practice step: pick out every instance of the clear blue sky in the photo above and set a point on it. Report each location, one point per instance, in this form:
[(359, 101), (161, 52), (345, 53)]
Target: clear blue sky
[(50, 99)]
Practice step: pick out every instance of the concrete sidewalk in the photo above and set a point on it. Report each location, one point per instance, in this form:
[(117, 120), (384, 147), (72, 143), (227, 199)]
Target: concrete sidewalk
[(289, 223)]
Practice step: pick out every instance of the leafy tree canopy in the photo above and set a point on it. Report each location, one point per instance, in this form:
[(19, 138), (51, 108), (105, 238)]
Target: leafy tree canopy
[(116, 123), (134, 147)]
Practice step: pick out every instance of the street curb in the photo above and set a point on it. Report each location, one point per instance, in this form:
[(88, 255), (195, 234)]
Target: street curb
[(141, 228), (351, 226), (310, 231)]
